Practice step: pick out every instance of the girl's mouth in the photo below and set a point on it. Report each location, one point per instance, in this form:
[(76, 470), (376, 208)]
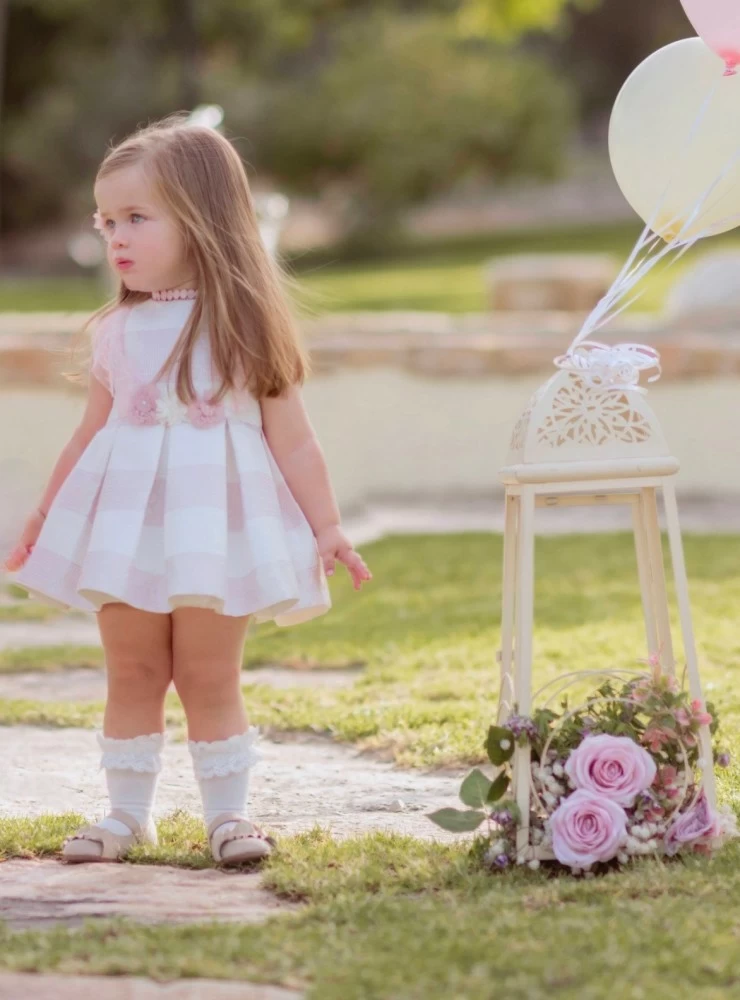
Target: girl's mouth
[(123, 265)]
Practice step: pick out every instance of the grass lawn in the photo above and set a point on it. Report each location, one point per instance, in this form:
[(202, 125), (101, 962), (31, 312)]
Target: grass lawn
[(437, 276), (388, 918)]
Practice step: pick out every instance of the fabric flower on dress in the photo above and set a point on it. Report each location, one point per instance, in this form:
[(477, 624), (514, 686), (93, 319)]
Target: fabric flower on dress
[(204, 414), (142, 407), (171, 410)]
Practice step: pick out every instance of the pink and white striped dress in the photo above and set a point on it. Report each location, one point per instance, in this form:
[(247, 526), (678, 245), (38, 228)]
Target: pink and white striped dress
[(173, 506)]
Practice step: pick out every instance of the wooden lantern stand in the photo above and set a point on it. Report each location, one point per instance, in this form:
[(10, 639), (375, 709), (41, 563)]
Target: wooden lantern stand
[(588, 437)]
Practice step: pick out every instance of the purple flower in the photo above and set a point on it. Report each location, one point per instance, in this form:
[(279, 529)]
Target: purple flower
[(698, 826), (521, 724), (502, 816), (723, 760), (501, 861)]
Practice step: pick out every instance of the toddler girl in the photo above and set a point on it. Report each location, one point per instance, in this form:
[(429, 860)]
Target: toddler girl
[(193, 498)]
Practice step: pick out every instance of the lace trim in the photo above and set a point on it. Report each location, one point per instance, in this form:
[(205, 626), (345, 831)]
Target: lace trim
[(219, 758), (139, 753)]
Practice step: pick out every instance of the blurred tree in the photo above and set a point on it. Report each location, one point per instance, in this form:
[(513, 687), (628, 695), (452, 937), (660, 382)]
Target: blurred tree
[(402, 111), (507, 19), (387, 107), (600, 47)]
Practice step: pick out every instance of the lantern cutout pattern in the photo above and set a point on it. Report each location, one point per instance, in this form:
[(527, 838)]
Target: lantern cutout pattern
[(589, 437)]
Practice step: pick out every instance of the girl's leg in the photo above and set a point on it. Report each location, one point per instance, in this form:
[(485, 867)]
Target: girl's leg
[(138, 656), (207, 653)]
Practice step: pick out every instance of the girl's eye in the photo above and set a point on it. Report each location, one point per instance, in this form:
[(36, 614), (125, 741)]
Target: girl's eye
[(109, 223), (135, 216)]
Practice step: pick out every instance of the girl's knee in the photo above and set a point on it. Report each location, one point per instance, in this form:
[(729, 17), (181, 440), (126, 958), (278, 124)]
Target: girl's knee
[(207, 684), (139, 678)]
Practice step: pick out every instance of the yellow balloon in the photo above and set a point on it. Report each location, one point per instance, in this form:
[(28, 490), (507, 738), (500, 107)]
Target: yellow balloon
[(674, 128)]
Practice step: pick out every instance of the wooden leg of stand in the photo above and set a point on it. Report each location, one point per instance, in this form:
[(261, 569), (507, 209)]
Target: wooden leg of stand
[(687, 629), (506, 694), (644, 574), (657, 571), (523, 665)]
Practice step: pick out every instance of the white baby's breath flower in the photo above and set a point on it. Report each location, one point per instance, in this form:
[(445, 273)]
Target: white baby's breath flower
[(497, 847), (632, 846), (534, 864), (623, 857), (550, 799), (557, 770), (504, 744), (170, 410)]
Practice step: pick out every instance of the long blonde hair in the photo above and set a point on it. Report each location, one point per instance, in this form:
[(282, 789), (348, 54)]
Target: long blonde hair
[(243, 294)]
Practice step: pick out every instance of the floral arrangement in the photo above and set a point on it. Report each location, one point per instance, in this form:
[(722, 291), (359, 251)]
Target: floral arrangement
[(612, 780)]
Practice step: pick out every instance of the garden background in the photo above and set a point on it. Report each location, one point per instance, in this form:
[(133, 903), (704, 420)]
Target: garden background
[(420, 147)]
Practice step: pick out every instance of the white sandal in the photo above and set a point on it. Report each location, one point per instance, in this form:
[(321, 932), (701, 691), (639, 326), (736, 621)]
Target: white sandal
[(245, 842), (95, 843)]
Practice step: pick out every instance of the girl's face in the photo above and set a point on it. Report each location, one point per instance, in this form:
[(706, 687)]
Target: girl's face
[(144, 245)]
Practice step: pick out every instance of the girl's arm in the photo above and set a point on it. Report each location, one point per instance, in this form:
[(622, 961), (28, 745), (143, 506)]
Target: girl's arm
[(99, 404), (296, 449)]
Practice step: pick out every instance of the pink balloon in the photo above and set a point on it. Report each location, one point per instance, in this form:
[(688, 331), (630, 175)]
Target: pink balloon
[(718, 23)]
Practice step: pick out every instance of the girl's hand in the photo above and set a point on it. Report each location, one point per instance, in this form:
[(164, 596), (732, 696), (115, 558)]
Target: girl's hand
[(334, 544), (23, 549)]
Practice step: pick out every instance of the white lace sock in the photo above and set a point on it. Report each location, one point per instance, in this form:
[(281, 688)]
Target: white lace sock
[(222, 771), (132, 769)]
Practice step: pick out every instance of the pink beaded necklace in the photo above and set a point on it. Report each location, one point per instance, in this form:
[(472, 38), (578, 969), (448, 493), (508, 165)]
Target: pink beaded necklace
[(168, 294)]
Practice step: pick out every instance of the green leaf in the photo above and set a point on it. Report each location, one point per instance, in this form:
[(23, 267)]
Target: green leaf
[(496, 753), (475, 789), (457, 820), (498, 787)]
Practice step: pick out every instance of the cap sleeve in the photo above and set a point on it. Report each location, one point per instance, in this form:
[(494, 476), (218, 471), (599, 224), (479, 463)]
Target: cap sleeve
[(103, 348)]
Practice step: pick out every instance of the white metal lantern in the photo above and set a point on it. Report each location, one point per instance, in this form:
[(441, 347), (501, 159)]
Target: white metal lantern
[(589, 437)]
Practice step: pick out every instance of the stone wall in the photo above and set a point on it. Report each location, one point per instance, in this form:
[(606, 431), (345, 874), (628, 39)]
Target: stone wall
[(414, 406)]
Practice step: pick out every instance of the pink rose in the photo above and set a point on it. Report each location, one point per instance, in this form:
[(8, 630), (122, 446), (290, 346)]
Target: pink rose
[(612, 766), (587, 828), (655, 738), (142, 407), (703, 718), (202, 413), (699, 825)]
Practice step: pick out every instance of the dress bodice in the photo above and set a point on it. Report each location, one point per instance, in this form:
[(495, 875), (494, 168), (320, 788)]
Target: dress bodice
[(131, 346)]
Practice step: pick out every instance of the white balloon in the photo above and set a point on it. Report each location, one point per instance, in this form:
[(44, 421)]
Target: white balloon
[(674, 128)]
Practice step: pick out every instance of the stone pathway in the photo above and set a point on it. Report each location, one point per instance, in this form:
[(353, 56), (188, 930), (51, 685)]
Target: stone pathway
[(86, 684), (37, 894), (63, 631), (46, 987), (302, 781)]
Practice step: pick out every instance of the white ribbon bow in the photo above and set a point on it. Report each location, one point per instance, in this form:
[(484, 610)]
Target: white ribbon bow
[(616, 367)]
